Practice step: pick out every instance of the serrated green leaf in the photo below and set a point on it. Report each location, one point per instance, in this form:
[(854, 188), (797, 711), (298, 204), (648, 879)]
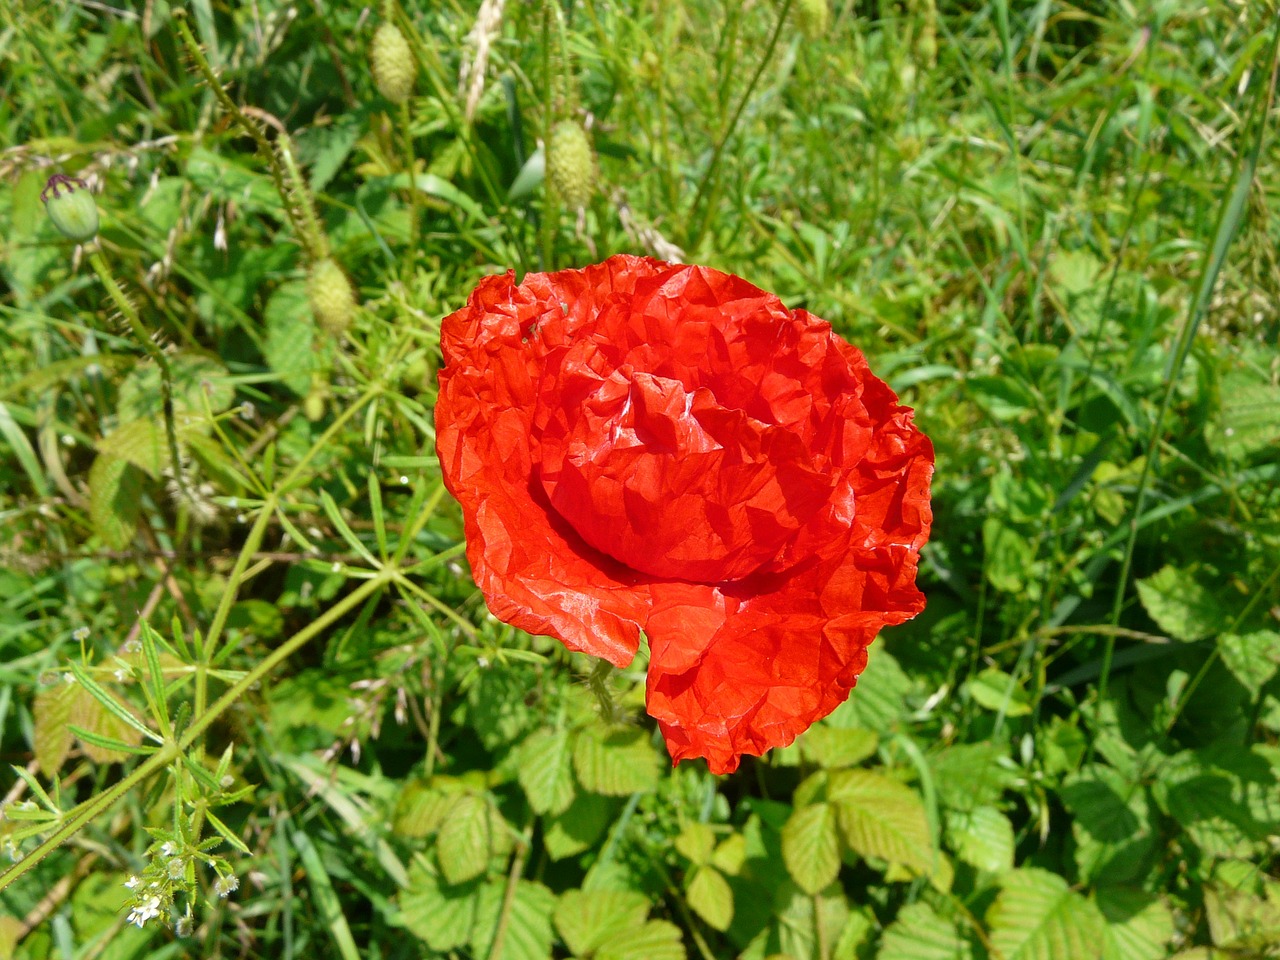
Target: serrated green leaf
[(420, 809), (696, 842), (1111, 823), (982, 837), (1038, 917), (579, 827), (1247, 419), (51, 712), (970, 775), (290, 344), (198, 379), (834, 747), (546, 771), (588, 920), (709, 896), (880, 698), (882, 818), (471, 833), (1241, 921), (919, 933), (440, 915), (140, 442), (115, 500), (615, 761), (656, 940), (1139, 924), (1253, 658), (811, 847), (527, 934), (1183, 607)]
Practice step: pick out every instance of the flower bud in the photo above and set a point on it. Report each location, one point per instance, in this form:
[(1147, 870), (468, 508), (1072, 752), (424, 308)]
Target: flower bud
[(329, 292), (70, 206), (813, 17), (393, 67), (571, 164)]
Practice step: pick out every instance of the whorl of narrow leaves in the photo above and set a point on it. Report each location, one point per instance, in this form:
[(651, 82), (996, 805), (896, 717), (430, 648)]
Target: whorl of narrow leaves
[(571, 164), (329, 292), (392, 62)]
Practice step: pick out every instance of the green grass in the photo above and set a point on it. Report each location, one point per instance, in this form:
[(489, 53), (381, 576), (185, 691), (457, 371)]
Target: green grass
[(1049, 225)]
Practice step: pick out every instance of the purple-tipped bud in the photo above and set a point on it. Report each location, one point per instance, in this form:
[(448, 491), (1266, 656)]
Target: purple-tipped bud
[(71, 207)]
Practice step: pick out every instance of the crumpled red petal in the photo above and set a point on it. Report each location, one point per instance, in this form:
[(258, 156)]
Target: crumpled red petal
[(639, 445)]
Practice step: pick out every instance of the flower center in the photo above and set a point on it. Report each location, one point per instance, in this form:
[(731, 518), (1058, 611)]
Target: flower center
[(664, 478)]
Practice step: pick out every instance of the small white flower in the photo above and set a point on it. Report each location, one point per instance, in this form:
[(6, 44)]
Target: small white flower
[(147, 910), (184, 926), (337, 567), (168, 848), (121, 675), (482, 662), (176, 868), (225, 886), (227, 781), (404, 479), (132, 883), (246, 411), (68, 440), (80, 634)]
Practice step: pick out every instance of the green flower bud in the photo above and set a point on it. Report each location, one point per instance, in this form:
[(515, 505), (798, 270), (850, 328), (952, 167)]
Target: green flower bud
[(814, 18), (333, 302), (571, 164), (393, 67), (71, 208)]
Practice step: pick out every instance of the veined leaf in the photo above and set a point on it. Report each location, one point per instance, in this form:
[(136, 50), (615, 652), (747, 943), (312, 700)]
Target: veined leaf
[(587, 921), (1139, 924), (437, 913), (982, 837), (472, 832), (579, 827), (709, 896), (51, 712), (615, 761), (527, 934), (1037, 916), (656, 940), (546, 771), (919, 933), (880, 817), (811, 847)]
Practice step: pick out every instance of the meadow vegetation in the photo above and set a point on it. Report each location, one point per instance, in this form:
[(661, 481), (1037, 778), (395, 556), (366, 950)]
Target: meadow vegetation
[(251, 702)]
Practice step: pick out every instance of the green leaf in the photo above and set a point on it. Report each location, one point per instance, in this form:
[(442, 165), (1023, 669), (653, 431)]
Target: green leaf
[(656, 940), (587, 921), (1038, 917), (811, 847), (471, 833), (971, 775), (919, 933), (616, 761), (420, 809), (527, 934), (546, 771), (436, 913), (982, 837), (996, 691), (710, 897), (1212, 806), (880, 817), (51, 712), (835, 747), (1139, 924), (291, 332), (115, 500), (579, 827), (696, 842), (198, 378), (1182, 606), (324, 897), (1253, 658), (880, 698), (1248, 417), (1111, 824)]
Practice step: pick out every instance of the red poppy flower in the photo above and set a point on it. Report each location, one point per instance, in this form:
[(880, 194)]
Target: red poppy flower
[(645, 446)]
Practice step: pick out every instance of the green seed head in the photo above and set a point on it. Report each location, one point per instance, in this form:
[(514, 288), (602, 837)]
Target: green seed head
[(393, 68), (71, 208), (333, 302), (571, 164)]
